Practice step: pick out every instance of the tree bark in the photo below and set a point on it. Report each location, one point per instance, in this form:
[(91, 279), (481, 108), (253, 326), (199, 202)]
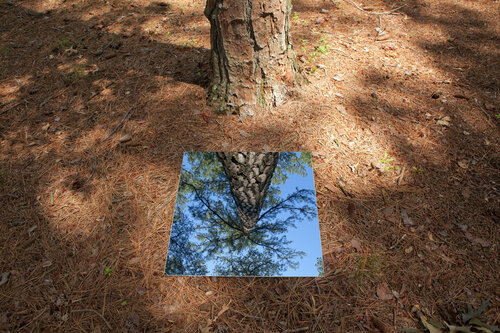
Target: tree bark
[(249, 176), (253, 65)]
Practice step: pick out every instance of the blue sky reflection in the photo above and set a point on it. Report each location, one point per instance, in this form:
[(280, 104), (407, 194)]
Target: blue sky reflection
[(207, 238)]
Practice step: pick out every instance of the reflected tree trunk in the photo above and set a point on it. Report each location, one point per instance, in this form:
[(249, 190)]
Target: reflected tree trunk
[(252, 60), (249, 176)]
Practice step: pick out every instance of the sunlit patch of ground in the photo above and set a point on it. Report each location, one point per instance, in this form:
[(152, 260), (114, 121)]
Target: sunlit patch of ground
[(402, 120)]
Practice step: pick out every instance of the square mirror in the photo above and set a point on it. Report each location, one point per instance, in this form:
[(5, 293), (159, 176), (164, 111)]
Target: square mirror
[(245, 214)]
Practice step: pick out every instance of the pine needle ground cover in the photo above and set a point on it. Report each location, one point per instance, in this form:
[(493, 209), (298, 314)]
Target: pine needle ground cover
[(402, 123)]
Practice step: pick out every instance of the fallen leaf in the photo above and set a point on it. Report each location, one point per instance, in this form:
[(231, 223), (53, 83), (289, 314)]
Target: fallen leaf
[(134, 261), (341, 109), (463, 164), (406, 219), (4, 278), (459, 329), (480, 326), (125, 138), (384, 293), (356, 244), (477, 240), (489, 106), (205, 116), (429, 326), (245, 134), (409, 249), (338, 78), (470, 314), (444, 121), (389, 214)]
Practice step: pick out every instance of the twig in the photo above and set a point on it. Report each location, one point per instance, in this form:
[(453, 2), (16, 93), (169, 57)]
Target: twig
[(333, 35), (341, 185), (391, 12), (97, 313), (53, 96), (6, 103), (342, 53), (120, 124), (38, 315), (12, 107), (301, 329), (400, 178), (106, 86)]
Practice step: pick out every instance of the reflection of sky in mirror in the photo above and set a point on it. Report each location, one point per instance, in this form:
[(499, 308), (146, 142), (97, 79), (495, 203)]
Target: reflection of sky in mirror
[(205, 237)]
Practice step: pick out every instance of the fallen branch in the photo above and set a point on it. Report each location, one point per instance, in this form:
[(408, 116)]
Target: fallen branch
[(120, 124)]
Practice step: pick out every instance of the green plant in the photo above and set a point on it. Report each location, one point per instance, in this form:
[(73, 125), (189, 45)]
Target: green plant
[(323, 46), (497, 116), (190, 43), (312, 52), (387, 160), (369, 266), (124, 303), (418, 169), (5, 50), (65, 43), (78, 72), (108, 271)]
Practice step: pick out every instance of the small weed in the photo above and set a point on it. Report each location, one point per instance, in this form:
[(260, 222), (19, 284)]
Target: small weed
[(417, 169), (369, 266), (65, 44), (497, 116), (79, 71), (387, 160), (313, 52), (190, 43), (295, 16), (5, 50), (108, 271), (124, 303)]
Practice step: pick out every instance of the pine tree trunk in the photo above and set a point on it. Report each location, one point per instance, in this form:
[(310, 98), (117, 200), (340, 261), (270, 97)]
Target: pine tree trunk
[(249, 176), (253, 65)]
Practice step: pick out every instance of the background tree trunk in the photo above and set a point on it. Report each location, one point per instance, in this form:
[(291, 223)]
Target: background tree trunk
[(249, 176), (252, 61)]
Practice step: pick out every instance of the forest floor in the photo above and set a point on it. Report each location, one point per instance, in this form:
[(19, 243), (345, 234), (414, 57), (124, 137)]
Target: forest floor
[(401, 114)]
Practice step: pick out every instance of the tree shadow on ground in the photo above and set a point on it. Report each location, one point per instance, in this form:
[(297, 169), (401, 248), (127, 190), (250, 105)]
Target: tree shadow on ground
[(76, 206)]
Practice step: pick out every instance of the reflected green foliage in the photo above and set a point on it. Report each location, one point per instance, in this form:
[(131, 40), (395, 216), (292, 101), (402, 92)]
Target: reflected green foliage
[(207, 237), (320, 267)]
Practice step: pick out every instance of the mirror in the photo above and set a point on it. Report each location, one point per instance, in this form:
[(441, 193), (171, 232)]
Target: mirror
[(245, 214)]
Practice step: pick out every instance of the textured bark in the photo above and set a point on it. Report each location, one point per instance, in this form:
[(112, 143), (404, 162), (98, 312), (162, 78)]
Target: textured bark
[(252, 61), (249, 176)]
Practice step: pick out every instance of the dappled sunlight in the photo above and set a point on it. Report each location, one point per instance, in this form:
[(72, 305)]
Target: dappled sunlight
[(99, 101)]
